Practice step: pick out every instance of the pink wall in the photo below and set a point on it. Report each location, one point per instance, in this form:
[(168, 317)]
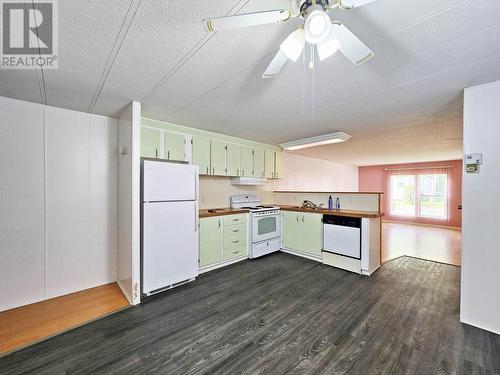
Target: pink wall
[(375, 179)]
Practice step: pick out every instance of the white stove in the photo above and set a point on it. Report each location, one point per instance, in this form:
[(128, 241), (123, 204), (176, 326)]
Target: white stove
[(265, 224)]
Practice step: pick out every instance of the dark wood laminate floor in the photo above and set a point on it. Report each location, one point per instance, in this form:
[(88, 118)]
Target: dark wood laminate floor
[(281, 314)]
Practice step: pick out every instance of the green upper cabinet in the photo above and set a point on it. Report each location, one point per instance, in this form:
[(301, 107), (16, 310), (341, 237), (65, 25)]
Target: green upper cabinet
[(269, 163), (311, 239), (278, 164), (201, 153), (150, 143), (232, 159), (210, 240), (258, 162), (246, 161), (174, 146), (291, 229), (217, 157)]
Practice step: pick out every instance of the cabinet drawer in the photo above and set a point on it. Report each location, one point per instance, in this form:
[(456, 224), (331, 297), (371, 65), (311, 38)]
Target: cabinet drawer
[(235, 241), (235, 219), (235, 230), (234, 252)]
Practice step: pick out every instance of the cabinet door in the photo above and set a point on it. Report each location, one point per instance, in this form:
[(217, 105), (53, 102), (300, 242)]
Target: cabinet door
[(278, 165), (150, 143), (258, 162), (201, 153), (210, 240), (232, 159), (291, 229), (217, 158), (311, 238), (174, 146), (246, 161), (269, 163)]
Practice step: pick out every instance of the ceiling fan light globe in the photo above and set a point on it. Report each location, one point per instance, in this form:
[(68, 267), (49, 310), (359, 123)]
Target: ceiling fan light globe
[(293, 45), (317, 26), (328, 47)]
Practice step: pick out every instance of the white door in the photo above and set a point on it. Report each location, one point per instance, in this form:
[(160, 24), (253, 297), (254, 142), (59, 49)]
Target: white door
[(165, 181), (170, 243), (342, 240)]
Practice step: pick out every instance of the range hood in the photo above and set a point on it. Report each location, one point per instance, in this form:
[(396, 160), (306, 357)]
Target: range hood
[(248, 181)]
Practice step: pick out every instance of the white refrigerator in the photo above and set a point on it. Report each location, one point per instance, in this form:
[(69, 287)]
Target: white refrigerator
[(169, 225)]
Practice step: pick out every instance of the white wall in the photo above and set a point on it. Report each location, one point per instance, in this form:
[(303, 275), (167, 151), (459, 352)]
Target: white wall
[(128, 202), (480, 298), (58, 216), (303, 173)]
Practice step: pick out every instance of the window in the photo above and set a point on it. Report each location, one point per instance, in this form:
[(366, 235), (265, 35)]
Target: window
[(403, 195), (421, 195), (433, 189)]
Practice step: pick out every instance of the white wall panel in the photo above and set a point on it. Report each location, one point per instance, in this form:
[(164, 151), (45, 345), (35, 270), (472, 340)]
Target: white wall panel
[(128, 202), (81, 241), (21, 203), (480, 302)]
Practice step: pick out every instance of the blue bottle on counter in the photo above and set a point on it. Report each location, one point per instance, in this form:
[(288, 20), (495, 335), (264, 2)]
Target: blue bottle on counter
[(337, 204), (330, 203)]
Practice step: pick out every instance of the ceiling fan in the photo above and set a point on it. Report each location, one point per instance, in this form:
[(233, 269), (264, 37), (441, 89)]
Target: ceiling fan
[(325, 35)]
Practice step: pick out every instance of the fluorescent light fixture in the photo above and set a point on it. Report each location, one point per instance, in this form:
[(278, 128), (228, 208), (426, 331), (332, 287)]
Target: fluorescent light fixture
[(293, 45), (320, 140)]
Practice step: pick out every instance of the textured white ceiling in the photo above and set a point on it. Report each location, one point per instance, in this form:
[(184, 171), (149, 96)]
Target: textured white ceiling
[(404, 105)]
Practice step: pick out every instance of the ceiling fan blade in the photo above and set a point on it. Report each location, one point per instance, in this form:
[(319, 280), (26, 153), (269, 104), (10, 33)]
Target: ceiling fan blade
[(276, 64), (351, 4), (245, 20), (351, 47)]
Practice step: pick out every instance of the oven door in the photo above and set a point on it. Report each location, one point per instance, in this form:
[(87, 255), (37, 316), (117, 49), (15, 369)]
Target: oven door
[(266, 227)]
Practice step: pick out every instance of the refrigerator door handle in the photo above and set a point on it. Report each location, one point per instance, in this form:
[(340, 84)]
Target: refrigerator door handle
[(195, 218), (195, 185)]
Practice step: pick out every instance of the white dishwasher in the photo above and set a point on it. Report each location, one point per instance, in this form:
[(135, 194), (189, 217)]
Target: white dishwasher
[(342, 242)]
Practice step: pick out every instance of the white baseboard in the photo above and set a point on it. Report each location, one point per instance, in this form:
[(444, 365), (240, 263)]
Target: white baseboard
[(129, 298)]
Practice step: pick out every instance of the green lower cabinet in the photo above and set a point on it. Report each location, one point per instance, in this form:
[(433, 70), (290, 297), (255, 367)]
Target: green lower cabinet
[(201, 153), (291, 229), (235, 252), (210, 240), (150, 143), (174, 146), (311, 231), (303, 232)]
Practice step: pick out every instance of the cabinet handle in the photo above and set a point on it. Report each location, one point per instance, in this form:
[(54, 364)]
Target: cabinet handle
[(236, 219), (156, 153), (242, 172), (236, 241), (207, 170), (297, 217), (237, 172), (302, 218), (213, 170), (236, 230), (219, 223), (168, 155), (236, 251)]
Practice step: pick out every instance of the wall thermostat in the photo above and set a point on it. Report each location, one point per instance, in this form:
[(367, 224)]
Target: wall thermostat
[(472, 162)]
